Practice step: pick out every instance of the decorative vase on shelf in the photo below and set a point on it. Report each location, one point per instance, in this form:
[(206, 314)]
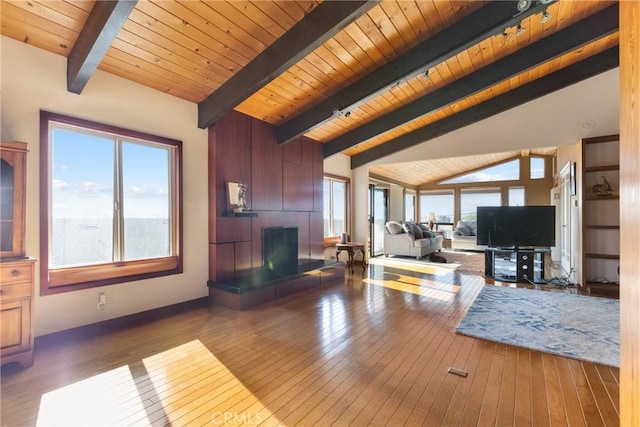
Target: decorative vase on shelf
[(602, 189)]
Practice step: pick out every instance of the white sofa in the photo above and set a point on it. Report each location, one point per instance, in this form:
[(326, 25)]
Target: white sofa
[(464, 237), (406, 240)]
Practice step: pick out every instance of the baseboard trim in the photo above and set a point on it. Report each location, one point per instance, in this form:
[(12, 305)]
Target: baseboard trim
[(118, 323)]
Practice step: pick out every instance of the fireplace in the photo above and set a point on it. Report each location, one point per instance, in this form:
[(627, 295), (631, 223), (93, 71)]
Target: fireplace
[(280, 251), (281, 273)]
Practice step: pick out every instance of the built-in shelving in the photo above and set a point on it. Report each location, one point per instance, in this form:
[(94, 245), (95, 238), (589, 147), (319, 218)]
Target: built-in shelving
[(600, 215)]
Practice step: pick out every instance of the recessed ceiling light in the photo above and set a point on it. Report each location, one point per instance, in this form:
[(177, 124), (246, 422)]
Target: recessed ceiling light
[(589, 124)]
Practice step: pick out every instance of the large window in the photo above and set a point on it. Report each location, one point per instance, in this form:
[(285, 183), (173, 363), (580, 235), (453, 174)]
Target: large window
[(335, 206), (110, 204), (508, 171), (409, 206), (440, 203), (537, 168), (516, 196), (471, 198)]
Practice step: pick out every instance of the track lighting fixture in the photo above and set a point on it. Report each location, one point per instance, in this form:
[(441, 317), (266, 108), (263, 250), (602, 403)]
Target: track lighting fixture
[(523, 5), (545, 17), (338, 113)]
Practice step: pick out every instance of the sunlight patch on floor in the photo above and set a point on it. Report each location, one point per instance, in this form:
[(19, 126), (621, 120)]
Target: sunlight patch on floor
[(409, 284), (419, 281), (415, 266), (184, 385), (99, 400)]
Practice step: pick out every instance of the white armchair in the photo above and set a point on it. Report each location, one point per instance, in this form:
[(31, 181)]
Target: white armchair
[(464, 237)]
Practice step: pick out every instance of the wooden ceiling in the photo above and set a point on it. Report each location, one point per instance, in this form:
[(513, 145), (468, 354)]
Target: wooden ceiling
[(364, 78)]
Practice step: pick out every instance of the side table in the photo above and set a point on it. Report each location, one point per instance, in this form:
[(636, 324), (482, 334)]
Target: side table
[(351, 248), (446, 243)]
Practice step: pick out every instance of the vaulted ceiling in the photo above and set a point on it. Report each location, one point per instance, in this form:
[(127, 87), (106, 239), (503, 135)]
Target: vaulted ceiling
[(366, 78)]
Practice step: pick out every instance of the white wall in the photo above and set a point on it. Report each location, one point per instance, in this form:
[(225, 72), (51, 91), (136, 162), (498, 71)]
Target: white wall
[(338, 164), (396, 202), (33, 79), (360, 204)]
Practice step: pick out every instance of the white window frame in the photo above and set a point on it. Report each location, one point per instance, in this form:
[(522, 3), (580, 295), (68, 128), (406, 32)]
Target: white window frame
[(410, 216), (425, 210), (544, 167), (480, 190), (331, 179)]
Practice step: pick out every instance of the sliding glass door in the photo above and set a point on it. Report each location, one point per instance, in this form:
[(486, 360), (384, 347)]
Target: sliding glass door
[(378, 216)]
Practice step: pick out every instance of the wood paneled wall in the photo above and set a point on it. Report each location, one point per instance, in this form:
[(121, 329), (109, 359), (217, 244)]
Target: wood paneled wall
[(629, 216), (285, 189)]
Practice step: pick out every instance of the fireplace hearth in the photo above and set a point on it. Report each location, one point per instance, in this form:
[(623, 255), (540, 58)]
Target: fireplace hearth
[(282, 273), (262, 286)]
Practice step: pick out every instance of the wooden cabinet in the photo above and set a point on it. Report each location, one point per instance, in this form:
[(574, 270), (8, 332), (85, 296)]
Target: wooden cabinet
[(12, 198), (601, 215), (16, 307), (16, 270)]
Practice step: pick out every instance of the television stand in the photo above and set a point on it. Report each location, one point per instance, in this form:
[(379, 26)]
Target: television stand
[(519, 265)]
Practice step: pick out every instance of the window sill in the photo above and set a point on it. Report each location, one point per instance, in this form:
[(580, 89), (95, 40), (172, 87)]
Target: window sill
[(331, 241), (74, 278)]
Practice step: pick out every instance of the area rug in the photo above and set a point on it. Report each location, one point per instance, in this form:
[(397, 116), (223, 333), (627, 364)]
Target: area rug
[(575, 326)]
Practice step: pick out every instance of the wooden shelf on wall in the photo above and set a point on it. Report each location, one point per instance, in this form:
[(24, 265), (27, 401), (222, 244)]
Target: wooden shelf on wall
[(602, 168), (231, 214), (602, 256), (604, 197), (602, 227)]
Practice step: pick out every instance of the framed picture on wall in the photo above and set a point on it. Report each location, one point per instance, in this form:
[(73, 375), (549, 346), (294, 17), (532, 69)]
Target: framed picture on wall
[(236, 193)]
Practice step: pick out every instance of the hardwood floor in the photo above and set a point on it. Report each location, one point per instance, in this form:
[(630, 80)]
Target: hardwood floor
[(374, 351)]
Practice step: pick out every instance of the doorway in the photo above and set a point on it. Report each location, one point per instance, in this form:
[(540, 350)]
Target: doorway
[(565, 217), (378, 216)]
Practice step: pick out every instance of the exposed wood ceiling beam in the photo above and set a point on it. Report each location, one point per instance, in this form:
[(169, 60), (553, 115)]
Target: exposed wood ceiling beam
[(104, 22), (489, 20), (322, 23), (589, 29), (560, 79)]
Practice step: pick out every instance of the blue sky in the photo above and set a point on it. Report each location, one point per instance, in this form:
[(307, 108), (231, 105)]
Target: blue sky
[(502, 172), (83, 177), (469, 201)]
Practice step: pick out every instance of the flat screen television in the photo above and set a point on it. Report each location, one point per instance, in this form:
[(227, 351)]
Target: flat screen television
[(516, 226)]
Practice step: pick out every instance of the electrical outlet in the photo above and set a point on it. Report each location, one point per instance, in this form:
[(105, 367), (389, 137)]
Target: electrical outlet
[(102, 301)]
